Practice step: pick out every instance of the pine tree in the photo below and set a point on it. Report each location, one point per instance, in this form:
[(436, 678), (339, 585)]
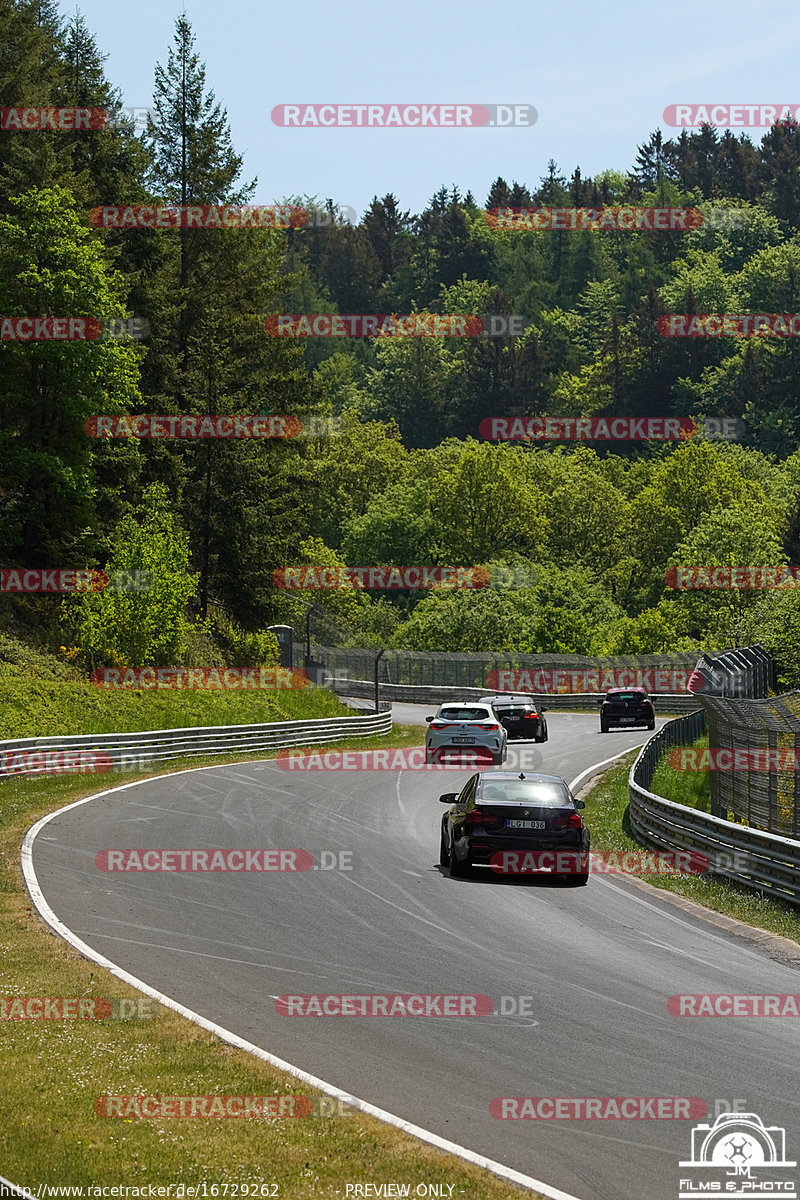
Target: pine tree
[(109, 163), (211, 352), (193, 157), (520, 196), (553, 186), (387, 228), (31, 75), (499, 194), (780, 171)]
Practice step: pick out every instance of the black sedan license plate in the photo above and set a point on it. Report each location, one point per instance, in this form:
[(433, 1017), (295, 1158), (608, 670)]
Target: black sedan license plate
[(526, 824)]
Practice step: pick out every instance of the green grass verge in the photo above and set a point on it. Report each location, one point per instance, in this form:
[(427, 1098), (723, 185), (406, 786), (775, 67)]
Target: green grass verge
[(608, 819), (44, 695), (683, 787), (53, 1070), (39, 707)]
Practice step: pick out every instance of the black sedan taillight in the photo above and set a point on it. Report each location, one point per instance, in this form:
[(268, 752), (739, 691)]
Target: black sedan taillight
[(478, 817), (572, 821)]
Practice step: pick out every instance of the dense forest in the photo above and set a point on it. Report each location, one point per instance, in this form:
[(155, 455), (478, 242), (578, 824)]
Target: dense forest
[(391, 467)]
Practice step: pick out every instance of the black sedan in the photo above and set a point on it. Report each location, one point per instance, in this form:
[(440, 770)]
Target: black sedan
[(515, 823), (625, 708), (521, 717)]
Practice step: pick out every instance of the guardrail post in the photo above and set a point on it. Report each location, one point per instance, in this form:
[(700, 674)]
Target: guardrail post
[(378, 658)]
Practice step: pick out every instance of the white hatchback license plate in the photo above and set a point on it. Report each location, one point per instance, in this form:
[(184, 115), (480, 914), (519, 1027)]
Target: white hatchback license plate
[(526, 824), (464, 740)]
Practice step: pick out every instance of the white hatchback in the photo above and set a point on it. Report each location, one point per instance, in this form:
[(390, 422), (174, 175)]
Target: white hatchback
[(461, 726)]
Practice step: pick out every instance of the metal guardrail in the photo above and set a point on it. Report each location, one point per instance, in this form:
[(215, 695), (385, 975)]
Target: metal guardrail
[(131, 749), (759, 860)]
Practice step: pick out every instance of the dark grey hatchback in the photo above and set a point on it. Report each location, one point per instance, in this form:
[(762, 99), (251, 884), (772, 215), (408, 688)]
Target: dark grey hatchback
[(515, 823)]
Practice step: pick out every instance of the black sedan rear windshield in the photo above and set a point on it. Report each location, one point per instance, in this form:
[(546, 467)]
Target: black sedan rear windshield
[(518, 710), (620, 697), (541, 794)]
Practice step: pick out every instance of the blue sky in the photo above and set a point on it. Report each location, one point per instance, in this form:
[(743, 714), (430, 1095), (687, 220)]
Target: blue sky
[(599, 76)]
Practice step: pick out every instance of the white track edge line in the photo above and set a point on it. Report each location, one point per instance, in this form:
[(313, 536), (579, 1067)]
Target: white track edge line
[(226, 1035), (590, 771)]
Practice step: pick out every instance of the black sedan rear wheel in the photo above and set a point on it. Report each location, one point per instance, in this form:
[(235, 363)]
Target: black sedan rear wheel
[(444, 853), (458, 870)]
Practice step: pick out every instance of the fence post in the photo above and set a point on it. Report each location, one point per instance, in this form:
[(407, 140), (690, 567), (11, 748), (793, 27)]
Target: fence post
[(378, 658)]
